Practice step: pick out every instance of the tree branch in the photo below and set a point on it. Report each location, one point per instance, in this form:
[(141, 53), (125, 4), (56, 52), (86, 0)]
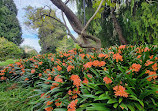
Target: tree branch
[(92, 17)]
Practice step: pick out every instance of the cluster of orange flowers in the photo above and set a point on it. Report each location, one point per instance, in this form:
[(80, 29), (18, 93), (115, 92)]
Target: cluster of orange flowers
[(135, 67), (107, 80), (72, 105), (57, 103), (95, 63), (76, 80), (152, 75), (57, 79), (120, 91), (69, 68), (118, 57)]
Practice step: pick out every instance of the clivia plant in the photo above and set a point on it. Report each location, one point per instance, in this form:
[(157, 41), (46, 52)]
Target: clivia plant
[(116, 79)]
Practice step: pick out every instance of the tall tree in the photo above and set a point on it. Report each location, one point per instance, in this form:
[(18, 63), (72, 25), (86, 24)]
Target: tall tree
[(50, 32), (9, 24), (77, 26)]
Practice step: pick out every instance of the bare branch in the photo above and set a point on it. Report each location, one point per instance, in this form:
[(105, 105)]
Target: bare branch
[(92, 17), (69, 33), (67, 1)]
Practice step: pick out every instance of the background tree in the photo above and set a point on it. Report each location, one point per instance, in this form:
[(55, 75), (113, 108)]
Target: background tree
[(65, 44), (49, 30), (9, 50), (136, 20), (77, 26), (9, 24)]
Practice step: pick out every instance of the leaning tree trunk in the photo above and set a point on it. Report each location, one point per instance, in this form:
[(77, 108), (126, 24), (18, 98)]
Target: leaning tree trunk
[(118, 28), (77, 26)]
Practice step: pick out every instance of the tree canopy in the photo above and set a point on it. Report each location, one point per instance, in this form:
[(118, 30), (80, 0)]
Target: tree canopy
[(49, 30), (9, 24)]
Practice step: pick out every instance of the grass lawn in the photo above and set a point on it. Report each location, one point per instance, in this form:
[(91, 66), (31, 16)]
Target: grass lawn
[(7, 62), (15, 98)]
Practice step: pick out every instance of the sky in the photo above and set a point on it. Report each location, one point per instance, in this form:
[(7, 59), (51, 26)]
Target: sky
[(30, 36)]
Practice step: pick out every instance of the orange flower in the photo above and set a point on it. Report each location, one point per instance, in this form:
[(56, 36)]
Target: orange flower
[(88, 65), (82, 56), (42, 94), (52, 59), (58, 79), (102, 63), (148, 62), (96, 63), (122, 46), (40, 63), (121, 107), (76, 91), (120, 91), (151, 56), (72, 105), (57, 102), (99, 64), (117, 57), (146, 49), (2, 74), (152, 75), (154, 67), (103, 55), (135, 67), (111, 53), (49, 78), (52, 87), (107, 80), (85, 81), (49, 109), (59, 68), (139, 56), (3, 78), (26, 79), (74, 96), (76, 80), (18, 63), (69, 68), (39, 74), (33, 71), (90, 76), (70, 92), (48, 103)]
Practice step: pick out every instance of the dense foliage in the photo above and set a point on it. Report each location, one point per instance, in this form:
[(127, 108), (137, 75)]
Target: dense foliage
[(9, 24), (137, 19), (118, 78), (9, 50), (15, 98)]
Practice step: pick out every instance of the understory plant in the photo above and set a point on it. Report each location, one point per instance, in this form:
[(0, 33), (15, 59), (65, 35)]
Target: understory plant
[(119, 78)]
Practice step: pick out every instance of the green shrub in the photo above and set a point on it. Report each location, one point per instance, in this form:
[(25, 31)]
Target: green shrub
[(8, 50), (118, 78)]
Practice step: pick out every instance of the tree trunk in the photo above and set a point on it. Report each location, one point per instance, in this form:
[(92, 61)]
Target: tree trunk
[(118, 28), (77, 26)]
